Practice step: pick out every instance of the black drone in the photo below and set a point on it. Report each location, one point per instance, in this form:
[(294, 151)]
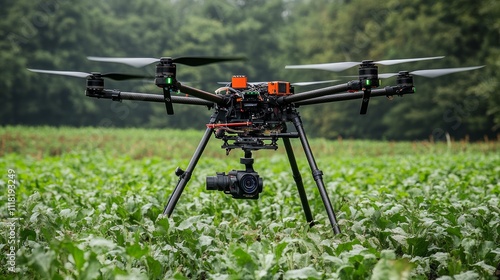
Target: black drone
[(254, 116)]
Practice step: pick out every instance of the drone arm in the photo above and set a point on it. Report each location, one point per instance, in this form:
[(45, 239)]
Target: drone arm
[(387, 91), (213, 98), (117, 95), (352, 85)]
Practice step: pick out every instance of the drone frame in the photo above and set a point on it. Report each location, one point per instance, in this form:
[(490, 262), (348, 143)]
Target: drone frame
[(200, 97), (364, 87)]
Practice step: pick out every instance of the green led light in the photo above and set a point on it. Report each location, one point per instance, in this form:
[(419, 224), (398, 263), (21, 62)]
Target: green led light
[(368, 82), (169, 80)]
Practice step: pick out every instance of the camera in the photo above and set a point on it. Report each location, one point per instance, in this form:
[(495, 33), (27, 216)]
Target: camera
[(238, 183)]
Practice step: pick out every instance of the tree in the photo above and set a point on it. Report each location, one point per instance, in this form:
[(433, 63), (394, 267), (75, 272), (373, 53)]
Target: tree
[(271, 34)]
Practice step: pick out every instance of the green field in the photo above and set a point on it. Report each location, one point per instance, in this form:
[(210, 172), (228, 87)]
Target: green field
[(88, 205)]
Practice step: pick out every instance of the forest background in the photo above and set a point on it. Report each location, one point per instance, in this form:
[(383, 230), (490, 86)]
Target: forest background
[(59, 34)]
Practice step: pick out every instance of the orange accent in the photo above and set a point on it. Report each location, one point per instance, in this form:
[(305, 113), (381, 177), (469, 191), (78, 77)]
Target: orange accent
[(278, 88), (239, 82)]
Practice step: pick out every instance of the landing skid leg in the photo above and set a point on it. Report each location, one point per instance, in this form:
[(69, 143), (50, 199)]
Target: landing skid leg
[(317, 174), (298, 181), (186, 175)]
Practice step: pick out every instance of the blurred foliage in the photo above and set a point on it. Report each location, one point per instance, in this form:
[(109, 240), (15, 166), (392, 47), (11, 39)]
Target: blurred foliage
[(89, 203), (53, 34)]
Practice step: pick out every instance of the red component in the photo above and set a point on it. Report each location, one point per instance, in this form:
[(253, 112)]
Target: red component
[(239, 82), (214, 125)]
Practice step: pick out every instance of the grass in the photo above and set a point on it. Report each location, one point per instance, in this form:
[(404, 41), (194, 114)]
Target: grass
[(89, 204), (174, 144)]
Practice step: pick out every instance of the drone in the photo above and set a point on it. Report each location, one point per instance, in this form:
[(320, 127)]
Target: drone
[(254, 116)]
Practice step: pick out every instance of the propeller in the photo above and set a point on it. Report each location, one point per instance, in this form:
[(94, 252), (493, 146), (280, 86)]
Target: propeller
[(341, 66), (186, 60), (112, 76), (428, 73), (313, 83), (432, 73)]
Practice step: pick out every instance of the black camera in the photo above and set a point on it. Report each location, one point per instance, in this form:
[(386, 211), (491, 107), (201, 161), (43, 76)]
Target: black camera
[(238, 183)]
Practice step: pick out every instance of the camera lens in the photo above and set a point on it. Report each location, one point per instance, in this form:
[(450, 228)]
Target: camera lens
[(249, 183), (238, 183), (218, 183), (212, 183)]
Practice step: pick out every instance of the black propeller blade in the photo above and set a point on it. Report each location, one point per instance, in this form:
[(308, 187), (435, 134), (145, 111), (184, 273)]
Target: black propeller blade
[(112, 76), (186, 60), (341, 66)]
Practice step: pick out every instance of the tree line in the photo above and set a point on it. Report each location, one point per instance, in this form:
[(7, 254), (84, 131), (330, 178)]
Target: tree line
[(59, 34)]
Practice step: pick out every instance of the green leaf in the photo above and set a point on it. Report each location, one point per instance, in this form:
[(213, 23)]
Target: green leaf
[(242, 258), (91, 270), (467, 275), (43, 262), (279, 249), (418, 245), (136, 251), (179, 276), (188, 223), (456, 231), (102, 242), (28, 234), (154, 267), (205, 240), (303, 273), (76, 253), (392, 270)]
